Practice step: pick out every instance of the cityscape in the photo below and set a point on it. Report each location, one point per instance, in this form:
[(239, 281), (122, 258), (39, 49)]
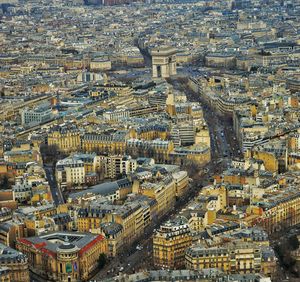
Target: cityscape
[(154, 140)]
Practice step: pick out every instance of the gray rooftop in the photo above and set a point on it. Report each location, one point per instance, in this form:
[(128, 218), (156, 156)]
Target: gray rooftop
[(103, 189)]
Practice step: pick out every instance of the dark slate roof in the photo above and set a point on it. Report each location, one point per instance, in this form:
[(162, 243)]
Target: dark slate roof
[(103, 189), (111, 228)]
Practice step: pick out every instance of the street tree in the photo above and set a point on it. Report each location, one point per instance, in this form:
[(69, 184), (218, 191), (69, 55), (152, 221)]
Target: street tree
[(102, 260)]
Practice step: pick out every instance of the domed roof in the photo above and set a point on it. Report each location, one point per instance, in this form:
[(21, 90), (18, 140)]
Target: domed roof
[(66, 246)]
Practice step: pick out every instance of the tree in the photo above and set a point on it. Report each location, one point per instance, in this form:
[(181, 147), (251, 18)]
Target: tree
[(50, 153), (283, 250), (192, 168), (49, 150), (102, 260), (4, 183), (293, 242)]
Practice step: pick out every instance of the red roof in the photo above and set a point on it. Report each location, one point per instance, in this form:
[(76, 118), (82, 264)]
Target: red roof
[(48, 252), (91, 244), (24, 241), (28, 243), (37, 246), (40, 245)]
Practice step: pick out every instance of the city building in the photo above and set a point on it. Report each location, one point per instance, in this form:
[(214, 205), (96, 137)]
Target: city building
[(63, 256), (66, 137), (117, 165), (10, 231), (112, 191), (16, 265), (235, 258), (36, 116), (277, 211), (169, 244), (211, 275), (130, 216), (69, 172)]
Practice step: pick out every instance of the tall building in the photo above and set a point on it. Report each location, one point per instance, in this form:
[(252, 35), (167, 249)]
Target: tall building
[(170, 243), (170, 105), (117, 165), (163, 62), (183, 134)]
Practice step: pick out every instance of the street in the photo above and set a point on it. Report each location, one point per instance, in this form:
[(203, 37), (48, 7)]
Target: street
[(224, 146), (133, 260), (55, 191)]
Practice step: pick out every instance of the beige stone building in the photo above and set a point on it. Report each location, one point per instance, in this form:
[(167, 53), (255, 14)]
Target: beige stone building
[(63, 256), (170, 243), (16, 263)]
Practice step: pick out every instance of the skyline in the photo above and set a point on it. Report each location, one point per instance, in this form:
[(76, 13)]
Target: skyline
[(149, 140)]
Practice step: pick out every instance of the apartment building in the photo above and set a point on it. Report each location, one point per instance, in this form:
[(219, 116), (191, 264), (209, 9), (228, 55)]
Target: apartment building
[(104, 143), (117, 165), (170, 242), (232, 258), (278, 210), (130, 216), (70, 171), (66, 137), (16, 262), (163, 190)]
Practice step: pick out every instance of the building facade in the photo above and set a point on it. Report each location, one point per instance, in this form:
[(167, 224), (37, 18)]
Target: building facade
[(16, 262), (170, 243), (235, 258), (70, 171), (65, 137), (36, 116), (63, 256)]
